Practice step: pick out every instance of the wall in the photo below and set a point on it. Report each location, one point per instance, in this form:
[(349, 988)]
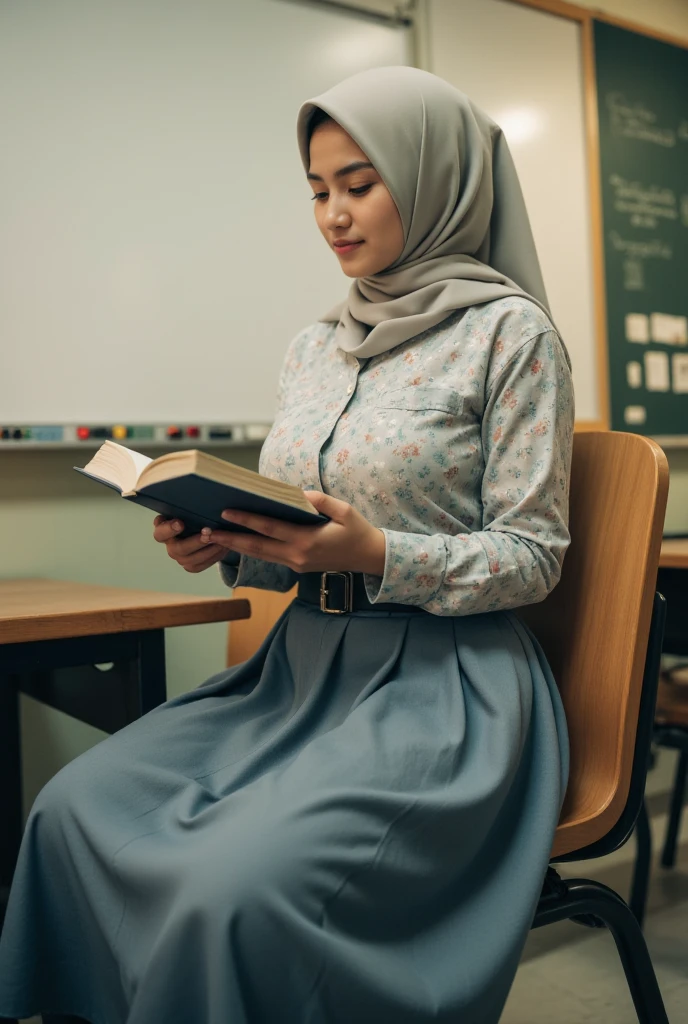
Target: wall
[(54, 524)]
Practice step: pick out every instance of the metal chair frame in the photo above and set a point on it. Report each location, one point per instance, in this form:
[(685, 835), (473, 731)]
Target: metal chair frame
[(672, 583), (595, 905)]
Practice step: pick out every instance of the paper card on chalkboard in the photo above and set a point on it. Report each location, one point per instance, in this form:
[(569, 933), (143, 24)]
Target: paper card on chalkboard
[(635, 415), (679, 373), (634, 374), (637, 328), (668, 329), (657, 371)]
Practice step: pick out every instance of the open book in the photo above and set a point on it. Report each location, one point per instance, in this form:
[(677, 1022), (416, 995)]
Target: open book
[(196, 488)]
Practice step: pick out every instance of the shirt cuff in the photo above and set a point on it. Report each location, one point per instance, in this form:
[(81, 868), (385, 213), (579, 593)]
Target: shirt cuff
[(229, 569), (415, 565), (254, 572)]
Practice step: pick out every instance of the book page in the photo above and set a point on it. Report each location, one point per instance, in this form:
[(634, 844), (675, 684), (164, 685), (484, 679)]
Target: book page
[(118, 464), (140, 462)]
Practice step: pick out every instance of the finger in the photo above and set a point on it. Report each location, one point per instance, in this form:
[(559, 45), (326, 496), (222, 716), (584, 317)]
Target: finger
[(264, 525), (251, 544), (179, 549), (333, 508), (160, 519), (167, 529), (203, 559)]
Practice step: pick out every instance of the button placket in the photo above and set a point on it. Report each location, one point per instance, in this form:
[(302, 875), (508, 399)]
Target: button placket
[(349, 391)]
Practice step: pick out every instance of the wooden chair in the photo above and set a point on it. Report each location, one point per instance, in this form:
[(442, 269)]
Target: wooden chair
[(601, 629), (266, 608)]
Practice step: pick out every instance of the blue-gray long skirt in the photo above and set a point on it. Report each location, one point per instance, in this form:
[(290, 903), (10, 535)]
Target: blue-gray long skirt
[(352, 826)]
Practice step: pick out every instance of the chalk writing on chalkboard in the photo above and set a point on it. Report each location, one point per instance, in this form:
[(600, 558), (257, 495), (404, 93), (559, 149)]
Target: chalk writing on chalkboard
[(634, 120), (644, 204), (652, 248), (635, 252)]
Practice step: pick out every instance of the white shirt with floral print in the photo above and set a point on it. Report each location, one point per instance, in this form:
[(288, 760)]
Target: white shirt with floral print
[(456, 443)]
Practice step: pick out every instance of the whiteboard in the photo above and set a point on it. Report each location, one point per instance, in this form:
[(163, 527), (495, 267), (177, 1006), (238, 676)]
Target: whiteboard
[(524, 67), (158, 249)]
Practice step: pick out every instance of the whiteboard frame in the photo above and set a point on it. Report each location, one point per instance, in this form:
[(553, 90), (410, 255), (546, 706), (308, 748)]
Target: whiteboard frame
[(400, 16)]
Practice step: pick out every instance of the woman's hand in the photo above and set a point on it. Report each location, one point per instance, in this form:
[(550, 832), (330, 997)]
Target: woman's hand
[(347, 543), (192, 553)]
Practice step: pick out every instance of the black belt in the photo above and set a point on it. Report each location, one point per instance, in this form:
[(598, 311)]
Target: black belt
[(341, 592)]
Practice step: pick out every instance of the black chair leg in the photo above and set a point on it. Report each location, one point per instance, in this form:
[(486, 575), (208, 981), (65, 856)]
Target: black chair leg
[(643, 861), (677, 798), (581, 897)]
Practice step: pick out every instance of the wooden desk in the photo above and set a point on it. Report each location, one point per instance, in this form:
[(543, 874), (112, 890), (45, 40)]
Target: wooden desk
[(53, 634), (674, 554), (672, 581)]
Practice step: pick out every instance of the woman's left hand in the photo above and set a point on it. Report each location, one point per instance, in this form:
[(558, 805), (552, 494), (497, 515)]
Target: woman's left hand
[(347, 543)]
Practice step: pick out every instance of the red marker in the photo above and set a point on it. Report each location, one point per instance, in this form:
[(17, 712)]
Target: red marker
[(83, 433)]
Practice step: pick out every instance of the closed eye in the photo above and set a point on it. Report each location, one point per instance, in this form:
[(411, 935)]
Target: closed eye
[(361, 191)]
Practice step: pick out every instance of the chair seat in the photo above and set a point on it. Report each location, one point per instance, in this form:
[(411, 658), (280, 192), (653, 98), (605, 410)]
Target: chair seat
[(672, 698)]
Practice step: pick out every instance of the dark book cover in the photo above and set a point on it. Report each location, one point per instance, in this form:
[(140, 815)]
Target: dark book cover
[(200, 502)]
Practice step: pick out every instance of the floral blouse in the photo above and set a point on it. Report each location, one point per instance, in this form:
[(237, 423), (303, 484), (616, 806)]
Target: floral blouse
[(456, 443)]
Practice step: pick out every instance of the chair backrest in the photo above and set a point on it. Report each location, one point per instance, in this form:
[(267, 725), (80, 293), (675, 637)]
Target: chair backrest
[(246, 635), (594, 625)]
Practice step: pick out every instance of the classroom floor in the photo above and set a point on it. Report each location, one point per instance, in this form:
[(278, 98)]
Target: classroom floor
[(570, 975)]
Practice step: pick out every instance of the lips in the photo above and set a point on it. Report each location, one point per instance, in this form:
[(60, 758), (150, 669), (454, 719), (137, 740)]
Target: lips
[(342, 247)]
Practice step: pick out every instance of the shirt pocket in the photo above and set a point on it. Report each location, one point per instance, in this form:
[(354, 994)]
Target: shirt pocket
[(421, 399)]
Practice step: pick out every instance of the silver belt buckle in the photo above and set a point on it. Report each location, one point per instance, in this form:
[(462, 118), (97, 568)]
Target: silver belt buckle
[(348, 593)]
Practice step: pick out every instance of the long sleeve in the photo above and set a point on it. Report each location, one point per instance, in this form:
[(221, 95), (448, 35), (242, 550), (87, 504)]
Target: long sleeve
[(515, 558)]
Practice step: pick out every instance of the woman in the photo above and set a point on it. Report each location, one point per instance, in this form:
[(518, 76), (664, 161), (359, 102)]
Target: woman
[(354, 824)]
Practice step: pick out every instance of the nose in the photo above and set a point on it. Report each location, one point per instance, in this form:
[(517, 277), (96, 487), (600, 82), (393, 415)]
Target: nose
[(337, 215)]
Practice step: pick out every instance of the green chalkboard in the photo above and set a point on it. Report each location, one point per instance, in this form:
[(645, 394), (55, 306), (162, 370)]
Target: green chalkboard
[(642, 94)]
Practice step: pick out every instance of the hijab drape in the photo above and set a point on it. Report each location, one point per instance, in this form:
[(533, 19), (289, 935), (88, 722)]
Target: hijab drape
[(467, 237)]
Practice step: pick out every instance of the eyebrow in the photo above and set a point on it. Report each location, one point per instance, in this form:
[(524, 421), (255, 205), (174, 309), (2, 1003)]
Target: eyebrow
[(357, 165)]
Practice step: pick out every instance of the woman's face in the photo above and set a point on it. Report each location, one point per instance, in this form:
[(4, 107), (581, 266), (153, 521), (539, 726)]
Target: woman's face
[(352, 204)]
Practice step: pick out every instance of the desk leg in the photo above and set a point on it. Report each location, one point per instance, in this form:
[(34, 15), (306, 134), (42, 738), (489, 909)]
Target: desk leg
[(150, 681), (10, 784)]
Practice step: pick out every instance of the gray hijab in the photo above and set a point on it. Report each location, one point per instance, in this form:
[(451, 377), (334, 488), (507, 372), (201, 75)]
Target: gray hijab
[(448, 168)]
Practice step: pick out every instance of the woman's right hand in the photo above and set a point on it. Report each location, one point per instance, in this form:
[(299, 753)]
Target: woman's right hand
[(195, 554)]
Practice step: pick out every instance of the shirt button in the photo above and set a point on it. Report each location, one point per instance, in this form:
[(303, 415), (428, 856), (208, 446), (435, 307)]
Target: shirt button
[(350, 389)]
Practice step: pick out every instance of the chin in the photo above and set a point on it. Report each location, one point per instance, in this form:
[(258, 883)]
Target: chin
[(359, 270)]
